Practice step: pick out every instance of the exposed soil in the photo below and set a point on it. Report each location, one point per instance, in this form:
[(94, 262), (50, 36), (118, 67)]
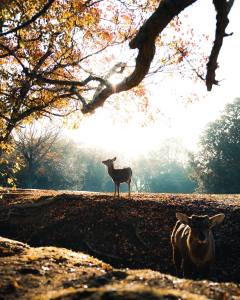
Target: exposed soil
[(133, 233)]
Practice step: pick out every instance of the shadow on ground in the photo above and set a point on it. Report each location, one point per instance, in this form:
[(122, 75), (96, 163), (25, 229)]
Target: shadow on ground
[(131, 233)]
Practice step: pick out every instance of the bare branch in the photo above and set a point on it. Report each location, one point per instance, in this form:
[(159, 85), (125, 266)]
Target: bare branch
[(222, 7), (42, 60), (47, 113), (71, 82)]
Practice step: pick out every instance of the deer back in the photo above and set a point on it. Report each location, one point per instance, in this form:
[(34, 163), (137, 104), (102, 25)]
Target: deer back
[(179, 238), (121, 175)]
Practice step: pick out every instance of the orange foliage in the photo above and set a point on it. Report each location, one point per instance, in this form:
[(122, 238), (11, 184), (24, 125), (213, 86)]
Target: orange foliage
[(73, 40)]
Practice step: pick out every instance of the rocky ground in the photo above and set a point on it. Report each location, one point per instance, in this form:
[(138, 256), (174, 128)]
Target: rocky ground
[(123, 233)]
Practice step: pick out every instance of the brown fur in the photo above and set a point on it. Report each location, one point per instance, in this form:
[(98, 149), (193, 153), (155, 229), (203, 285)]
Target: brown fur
[(193, 244), (118, 175)]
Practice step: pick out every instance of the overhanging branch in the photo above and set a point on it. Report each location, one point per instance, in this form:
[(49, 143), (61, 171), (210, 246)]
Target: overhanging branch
[(223, 8), (71, 82), (144, 41)]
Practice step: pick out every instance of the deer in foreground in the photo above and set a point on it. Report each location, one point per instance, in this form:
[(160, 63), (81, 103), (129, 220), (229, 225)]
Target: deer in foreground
[(118, 175), (193, 244)]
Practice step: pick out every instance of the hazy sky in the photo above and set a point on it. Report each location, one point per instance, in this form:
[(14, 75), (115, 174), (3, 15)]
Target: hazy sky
[(179, 120)]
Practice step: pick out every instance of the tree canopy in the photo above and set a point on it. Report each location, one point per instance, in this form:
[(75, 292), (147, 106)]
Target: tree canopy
[(217, 165), (56, 55)]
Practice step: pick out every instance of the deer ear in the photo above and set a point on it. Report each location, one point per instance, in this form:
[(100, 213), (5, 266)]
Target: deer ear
[(114, 158), (183, 218), (217, 219)]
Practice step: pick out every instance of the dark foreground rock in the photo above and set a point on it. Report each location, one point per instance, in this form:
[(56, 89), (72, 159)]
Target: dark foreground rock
[(56, 273)]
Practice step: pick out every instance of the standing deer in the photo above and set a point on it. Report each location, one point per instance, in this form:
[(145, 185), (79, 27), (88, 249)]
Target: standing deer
[(118, 175), (193, 244)]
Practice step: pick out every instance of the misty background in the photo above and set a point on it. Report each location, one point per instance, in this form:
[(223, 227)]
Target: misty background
[(44, 158)]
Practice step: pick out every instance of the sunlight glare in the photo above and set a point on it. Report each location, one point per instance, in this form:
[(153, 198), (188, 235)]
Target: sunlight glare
[(101, 132), (176, 120)]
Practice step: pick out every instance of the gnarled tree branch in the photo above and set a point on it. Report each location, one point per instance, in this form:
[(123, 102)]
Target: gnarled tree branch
[(144, 41), (222, 9)]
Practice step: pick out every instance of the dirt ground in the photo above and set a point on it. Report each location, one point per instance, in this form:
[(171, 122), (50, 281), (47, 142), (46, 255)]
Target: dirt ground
[(124, 233)]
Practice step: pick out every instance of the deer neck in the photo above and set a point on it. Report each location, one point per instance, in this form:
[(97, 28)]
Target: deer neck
[(111, 170)]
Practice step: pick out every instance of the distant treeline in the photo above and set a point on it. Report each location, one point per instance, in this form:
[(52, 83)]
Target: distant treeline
[(54, 163)]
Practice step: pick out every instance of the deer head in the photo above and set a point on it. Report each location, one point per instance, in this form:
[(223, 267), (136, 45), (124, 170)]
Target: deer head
[(200, 225), (109, 162)]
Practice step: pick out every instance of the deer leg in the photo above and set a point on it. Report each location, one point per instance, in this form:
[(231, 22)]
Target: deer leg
[(188, 269), (204, 272), (177, 259), (129, 194), (118, 189)]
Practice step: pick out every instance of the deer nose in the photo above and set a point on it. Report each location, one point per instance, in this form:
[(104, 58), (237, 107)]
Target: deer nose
[(201, 236)]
